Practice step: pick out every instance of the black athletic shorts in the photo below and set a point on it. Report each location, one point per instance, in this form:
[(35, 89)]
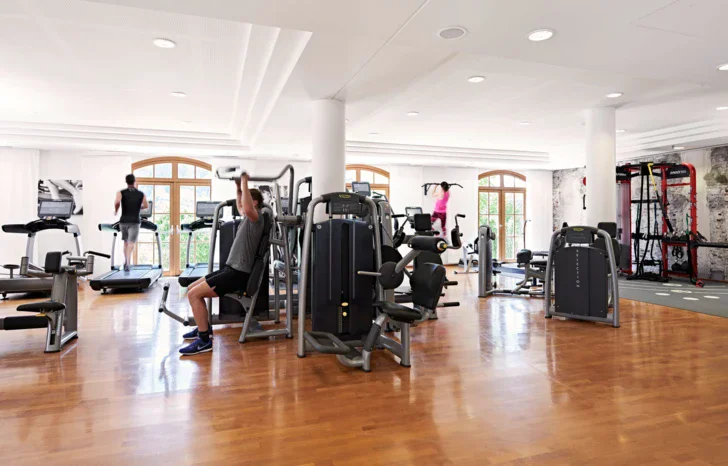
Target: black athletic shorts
[(227, 280)]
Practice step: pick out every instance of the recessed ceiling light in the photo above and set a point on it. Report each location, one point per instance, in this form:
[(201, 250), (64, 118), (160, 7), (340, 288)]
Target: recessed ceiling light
[(476, 79), (621, 130), (678, 147), (614, 95), (413, 113), (540, 35), (178, 94), (720, 109), (723, 67), (373, 134), (525, 122), (453, 32), (163, 43), (186, 122)]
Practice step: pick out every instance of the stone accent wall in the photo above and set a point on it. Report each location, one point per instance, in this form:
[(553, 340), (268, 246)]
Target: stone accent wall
[(713, 188), (568, 192)]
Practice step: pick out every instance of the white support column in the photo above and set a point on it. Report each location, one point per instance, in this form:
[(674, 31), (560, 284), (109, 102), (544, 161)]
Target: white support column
[(601, 162), (329, 149)]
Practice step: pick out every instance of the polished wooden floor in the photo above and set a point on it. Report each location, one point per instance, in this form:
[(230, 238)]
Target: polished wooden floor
[(492, 382)]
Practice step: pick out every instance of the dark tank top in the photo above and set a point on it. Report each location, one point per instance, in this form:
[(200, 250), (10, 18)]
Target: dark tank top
[(131, 205)]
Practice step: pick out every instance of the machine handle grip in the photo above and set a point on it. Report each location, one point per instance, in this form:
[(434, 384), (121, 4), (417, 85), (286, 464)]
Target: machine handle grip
[(451, 283), (460, 216), (290, 219), (100, 254)]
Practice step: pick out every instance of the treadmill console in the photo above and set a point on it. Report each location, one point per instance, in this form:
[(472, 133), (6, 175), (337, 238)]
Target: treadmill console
[(146, 213), (206, 209), (362, 187), (412, 211), (55, 208)]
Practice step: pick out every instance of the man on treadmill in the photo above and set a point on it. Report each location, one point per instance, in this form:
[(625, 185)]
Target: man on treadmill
[(131, 201), (236, 272)]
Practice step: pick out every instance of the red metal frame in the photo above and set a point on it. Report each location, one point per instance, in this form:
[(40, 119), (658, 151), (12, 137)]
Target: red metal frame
[(627, 205)]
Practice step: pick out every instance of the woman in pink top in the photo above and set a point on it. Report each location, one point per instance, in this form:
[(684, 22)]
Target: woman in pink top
[(442, 194)]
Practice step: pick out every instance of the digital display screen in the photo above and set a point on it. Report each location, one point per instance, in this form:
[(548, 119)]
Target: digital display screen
[(361, 187), (412, 211), (206, 209), (58, 209), (146, 213)]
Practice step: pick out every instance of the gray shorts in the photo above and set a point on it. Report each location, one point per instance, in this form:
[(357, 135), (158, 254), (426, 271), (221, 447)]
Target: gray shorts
[(129, 232)]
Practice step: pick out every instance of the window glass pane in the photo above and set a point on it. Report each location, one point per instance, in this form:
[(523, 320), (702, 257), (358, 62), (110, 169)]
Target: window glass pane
[(378, 192), (161, 198), (163, 170), (494, 181), (163, 227), (519, 225), (520, 183), (493, 222), (144, 172), (380, 179), (519, 203), (202, 250), (145, 236), (482, 203), (185, 170), (483, 182), (203, 174), (519, 243), (145, 253), (203, 193), (183, 251), (147, 189), (203, 237), (493, 202), (510, 203), (510, 226), (187, 199), (165, 256), (510, 246), (508, 181), (367, 175), (350, 176)]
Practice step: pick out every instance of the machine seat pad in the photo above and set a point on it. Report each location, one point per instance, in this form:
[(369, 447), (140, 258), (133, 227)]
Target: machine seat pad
[(539, 264), (11, 267), (398, 312), (45, 306)]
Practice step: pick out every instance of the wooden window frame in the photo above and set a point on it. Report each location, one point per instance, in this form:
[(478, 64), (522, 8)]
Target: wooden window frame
[(175, 265), (502, 204), (358, 168)]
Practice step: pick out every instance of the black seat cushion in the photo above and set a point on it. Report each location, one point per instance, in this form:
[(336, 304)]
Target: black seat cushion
[(11, 266), (524, 257), (398, 312), (538, 264), (45, 306)]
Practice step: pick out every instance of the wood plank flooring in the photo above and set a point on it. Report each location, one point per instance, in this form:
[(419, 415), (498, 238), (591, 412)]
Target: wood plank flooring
[(492, 382)]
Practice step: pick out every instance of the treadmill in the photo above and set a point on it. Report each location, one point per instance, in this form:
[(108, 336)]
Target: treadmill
[(205, 212), (52, 215), (139, 277)]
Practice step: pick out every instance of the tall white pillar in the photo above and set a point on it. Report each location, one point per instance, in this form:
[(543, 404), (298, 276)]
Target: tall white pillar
[(601, 162), (329, 149)]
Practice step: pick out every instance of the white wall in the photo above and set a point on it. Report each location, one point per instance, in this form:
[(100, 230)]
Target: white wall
[(18, 199), (103, 177)]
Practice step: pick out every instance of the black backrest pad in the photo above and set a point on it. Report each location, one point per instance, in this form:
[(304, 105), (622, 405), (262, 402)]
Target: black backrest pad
[(53, 262), (428, 257), (427, 282), (455, 240), (423, 222), (260, 266), (609, 227), (524, 256)]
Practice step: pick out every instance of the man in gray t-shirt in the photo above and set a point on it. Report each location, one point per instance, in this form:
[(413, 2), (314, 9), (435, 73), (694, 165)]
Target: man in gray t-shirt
[(236, 272)]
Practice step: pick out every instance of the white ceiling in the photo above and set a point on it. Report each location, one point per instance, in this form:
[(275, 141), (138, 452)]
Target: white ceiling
[(84, 74)]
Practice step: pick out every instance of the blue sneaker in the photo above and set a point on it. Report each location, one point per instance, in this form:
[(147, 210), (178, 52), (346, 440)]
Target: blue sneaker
[(196, 347), (192, 335)]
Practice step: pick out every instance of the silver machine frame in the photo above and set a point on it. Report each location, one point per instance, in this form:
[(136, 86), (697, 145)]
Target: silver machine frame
[(613, 291), (279, 242), (306, 340), (62, 325)]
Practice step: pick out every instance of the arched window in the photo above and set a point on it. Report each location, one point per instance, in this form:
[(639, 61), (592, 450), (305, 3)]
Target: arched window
[(502, 205), (377, 178), (175, 184)]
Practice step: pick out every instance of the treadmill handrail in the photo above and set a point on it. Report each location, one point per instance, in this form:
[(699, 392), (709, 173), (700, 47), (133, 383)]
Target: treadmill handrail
[(41, 225), (116, 227)]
